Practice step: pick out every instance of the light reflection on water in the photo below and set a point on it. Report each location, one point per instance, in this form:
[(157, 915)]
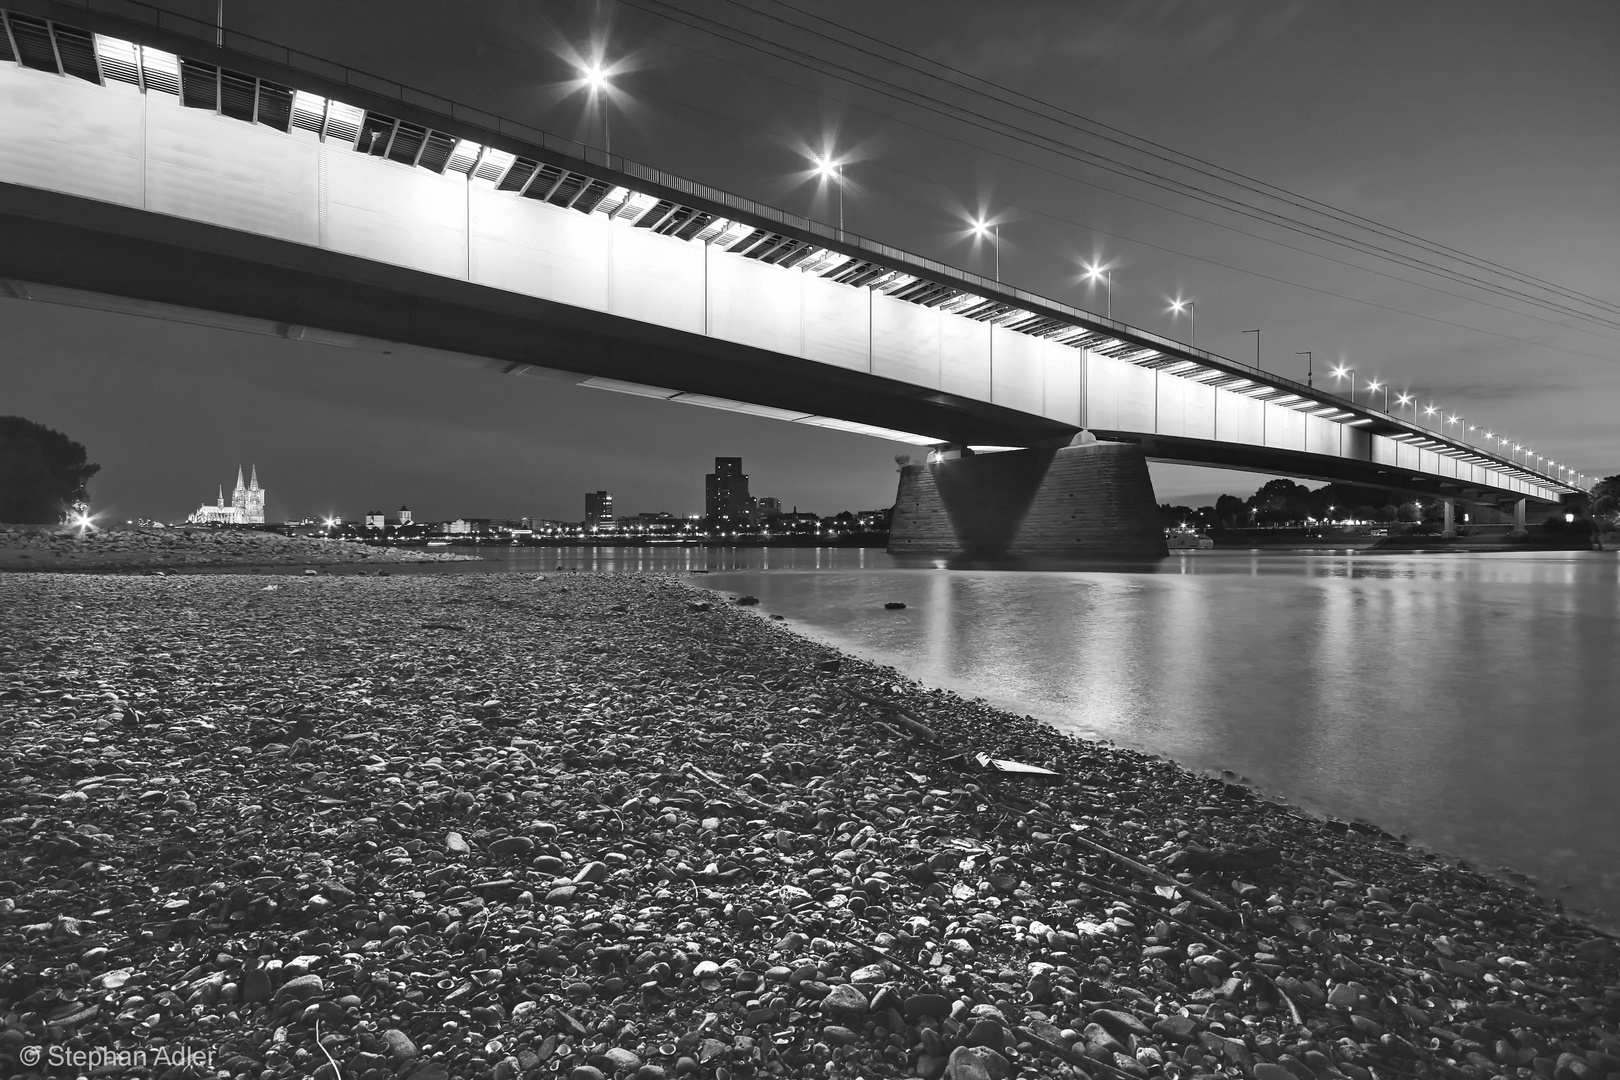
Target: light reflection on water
[(1466, 700)]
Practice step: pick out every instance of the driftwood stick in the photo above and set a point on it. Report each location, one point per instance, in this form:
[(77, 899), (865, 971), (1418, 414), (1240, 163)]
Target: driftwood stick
[(1147, 871)]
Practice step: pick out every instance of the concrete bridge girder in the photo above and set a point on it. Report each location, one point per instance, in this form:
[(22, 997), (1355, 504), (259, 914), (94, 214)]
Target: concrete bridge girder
[(129, 193)]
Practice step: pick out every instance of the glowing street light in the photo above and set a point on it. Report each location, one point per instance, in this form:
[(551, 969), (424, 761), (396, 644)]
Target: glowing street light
[(1096, 273), (1177, 306), (1374, 385), (828, 169), (981, 229), (595, 78), (1342, 372)]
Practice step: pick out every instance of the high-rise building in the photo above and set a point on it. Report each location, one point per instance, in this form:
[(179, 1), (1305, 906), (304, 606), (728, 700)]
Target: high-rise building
[(247, 505), (599, 510), (726, 502), (767, 506)]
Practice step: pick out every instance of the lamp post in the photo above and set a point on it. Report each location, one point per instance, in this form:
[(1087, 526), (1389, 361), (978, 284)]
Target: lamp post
[(1408, 399), (1310, 368), (828, 169), (1177, 307), (981, 229), (1342, 372), (596, 80), (1094, 273), (1256, 334), (1374, 385)]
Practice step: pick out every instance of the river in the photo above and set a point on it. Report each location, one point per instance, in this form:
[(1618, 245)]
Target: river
[(1469, 702)]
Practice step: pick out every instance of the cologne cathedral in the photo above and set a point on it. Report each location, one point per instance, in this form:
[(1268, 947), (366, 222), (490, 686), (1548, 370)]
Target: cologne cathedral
[(246, 508)]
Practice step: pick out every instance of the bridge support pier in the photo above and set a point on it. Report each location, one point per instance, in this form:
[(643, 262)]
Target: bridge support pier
[(1095, 498), (1519, 530), (1450, 530)]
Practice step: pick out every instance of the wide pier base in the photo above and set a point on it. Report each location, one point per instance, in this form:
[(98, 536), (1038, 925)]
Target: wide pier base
[(1090, 500)]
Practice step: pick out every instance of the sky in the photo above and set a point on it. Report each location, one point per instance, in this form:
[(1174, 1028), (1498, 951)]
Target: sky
[(1482, 126)]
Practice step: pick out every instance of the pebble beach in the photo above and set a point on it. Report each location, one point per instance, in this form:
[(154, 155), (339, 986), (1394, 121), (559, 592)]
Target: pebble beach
[(138, 548), (592, 826)]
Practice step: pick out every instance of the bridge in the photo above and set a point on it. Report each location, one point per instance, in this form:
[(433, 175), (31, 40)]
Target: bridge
[(151, 165)]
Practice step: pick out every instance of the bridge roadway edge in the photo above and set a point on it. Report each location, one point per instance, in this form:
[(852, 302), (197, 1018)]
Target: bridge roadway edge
[(1091, 500), (87, 245)]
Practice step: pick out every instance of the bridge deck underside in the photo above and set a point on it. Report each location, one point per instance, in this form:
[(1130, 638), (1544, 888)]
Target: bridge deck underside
[(130, 191)]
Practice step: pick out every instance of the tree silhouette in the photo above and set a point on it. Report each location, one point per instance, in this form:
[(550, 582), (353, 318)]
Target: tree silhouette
[(42, 472)]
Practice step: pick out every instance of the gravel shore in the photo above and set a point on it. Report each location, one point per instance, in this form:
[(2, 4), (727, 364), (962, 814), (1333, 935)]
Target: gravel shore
[(34, 548), (611, 826)]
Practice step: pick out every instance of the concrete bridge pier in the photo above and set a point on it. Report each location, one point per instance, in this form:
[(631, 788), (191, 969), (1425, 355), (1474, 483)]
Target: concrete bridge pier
[(1450, 530), (1090, 498), (1519, 528)]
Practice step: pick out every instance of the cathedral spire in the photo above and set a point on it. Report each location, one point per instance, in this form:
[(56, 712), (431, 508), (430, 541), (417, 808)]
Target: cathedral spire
[(255, 485), (221, 500), (239, 485)]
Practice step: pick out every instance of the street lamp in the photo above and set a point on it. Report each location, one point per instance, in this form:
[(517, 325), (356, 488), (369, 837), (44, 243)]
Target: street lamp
[(981, 229), (828, 169), (596, 81), (1256, 334), (1374, 385), (1408, 399), (1310, 367), (1177, 306), (1095, 273), (1342, 372)]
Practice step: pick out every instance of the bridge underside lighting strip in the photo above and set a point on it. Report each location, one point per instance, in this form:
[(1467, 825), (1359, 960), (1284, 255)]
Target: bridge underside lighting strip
[(49, 46), (664, 393)]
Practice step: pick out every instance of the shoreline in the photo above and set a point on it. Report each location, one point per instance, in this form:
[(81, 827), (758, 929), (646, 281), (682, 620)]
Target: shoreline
[(177, 549), (477, 824)]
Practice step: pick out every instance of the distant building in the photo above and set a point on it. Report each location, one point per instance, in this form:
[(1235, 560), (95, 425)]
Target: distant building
[(599, 510), (247, 505), (726, 502), (767, 505), (404, 516), (376, 519), (467, 526)]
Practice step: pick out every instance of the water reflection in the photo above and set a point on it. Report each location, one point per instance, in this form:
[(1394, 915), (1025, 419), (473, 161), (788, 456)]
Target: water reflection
[(1464, 699)]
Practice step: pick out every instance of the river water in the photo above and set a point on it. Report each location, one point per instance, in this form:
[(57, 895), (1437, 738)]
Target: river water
[(1468, 701)]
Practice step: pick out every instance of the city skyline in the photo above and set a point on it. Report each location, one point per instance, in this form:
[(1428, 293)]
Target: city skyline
[(142, 395)]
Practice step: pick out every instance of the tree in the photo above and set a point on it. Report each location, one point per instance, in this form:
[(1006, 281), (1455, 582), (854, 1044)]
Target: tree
[(42, 472), (1606, 500), (1231, 512)]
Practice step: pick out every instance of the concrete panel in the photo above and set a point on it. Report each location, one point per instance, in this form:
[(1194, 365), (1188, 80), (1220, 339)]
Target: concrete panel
[(69, 136), (1239, 418), (524, 247), (1285, 428), (1172, 407), (1407, 456), (1321, 436), (1383, 451), (657, 279), (212, 168), (1355, 443), (905, 341), (755, 303), (964, 357), (1062, 377), (397, 214), (1138, 397), (837, 323), (1198, 409), (1101, 392), (1016, 370), (1429, 462)]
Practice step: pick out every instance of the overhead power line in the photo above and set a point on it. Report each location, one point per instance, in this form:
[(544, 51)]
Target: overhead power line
[(1038, 140)]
